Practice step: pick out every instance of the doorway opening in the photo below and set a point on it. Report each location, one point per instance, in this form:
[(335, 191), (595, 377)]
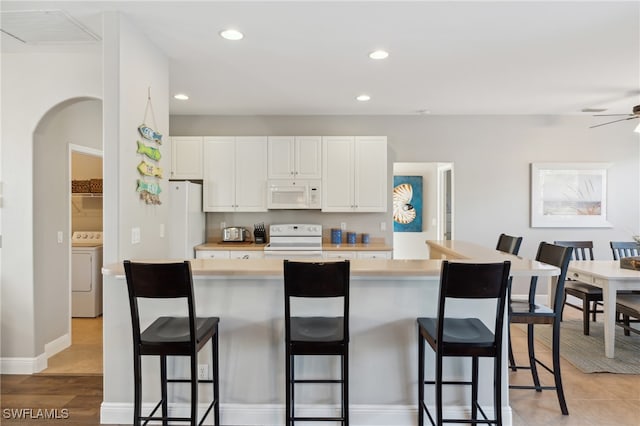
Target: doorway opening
[(432, 202)]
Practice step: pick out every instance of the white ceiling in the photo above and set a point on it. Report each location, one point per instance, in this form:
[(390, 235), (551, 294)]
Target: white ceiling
[(453, 57)]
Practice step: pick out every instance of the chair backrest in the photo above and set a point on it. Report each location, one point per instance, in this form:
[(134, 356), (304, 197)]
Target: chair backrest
[(509, 244), (582, 250), (559, 256), (621, 249), (460, 280), (316, 280), (159, 281)]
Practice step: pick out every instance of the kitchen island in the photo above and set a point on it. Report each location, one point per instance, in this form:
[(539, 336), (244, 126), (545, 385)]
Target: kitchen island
[(247, 295)]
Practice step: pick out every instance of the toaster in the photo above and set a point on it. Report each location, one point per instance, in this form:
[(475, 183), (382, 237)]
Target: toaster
[(234, 234)]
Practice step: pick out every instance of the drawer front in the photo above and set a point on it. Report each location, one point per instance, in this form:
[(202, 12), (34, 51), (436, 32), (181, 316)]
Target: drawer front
[(249, 254), (339, 254), (374, 255), (578, 276), (212, 254)]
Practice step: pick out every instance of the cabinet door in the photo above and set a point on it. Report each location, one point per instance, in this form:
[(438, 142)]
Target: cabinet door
[(186, 157), (219, 174), (251, 174), (308, 157), (370, 174), (337, 174), (280, 157)]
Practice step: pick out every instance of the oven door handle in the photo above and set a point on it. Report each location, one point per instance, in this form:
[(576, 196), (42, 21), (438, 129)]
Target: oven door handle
[(299, 253)]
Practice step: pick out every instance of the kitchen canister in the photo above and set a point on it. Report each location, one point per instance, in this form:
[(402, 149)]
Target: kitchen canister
[(351, 237), (365, 238), (336, 236)]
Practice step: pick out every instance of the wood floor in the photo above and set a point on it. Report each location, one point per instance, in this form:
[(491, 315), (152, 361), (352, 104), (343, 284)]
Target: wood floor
[(594, 399)]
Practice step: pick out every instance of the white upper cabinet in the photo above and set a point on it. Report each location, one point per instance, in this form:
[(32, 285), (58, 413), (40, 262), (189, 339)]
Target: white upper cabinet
[(354, 174), (186, 157), (235, 174), (295, 157)]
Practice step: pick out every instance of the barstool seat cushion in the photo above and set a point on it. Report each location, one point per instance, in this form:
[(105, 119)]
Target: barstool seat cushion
[(464, 332), (176, 330)]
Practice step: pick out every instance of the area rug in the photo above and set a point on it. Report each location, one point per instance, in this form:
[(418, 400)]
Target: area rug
[(587, 352)]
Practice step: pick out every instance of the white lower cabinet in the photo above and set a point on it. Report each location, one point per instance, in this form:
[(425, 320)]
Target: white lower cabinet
[(212, 254), (374, 255), (248, 254)]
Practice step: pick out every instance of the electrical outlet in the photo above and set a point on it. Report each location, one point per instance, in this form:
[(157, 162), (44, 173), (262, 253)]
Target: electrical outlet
[(343, 226), (162, 230), (383, 226), (59, 237), (223, 225), (203, 371)]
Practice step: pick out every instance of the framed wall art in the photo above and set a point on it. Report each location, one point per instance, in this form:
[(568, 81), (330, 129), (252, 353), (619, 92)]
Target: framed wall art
[(569, 195), (407, 204)]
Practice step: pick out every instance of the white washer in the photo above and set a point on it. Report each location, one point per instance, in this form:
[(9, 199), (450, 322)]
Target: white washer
[(86, 274)]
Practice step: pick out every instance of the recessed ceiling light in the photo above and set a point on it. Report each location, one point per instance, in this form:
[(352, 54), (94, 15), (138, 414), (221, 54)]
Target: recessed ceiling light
[(423, 111), (231, 34), (379, 54), (363, 98), (181, 96)]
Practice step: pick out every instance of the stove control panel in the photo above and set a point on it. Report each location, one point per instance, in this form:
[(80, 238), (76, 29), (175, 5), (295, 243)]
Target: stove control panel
[(292, 230)]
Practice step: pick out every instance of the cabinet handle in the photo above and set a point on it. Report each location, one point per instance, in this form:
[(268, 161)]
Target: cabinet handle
[(246, 256)]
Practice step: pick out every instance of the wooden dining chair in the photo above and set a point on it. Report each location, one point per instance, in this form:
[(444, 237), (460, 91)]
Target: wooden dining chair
[(590, 295), (628, 311), (621, 249)]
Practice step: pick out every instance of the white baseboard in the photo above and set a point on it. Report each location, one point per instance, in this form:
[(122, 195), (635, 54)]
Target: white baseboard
[(57, 345), (273, 414), (23, 365), (37, 364)]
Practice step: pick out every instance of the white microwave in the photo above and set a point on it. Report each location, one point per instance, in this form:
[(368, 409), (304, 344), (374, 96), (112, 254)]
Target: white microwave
[(290, 194)]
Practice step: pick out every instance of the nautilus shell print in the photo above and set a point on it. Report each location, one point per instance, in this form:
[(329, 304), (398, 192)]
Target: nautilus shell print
[(403, 211)]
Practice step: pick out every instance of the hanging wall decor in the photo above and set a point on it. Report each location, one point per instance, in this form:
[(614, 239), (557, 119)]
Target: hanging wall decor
[(149, 185)]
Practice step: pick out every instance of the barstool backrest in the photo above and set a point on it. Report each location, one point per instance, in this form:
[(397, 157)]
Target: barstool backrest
[(621, 249), (460, 280), (559, 256), (159, 281), (509, 244), (316, 280)]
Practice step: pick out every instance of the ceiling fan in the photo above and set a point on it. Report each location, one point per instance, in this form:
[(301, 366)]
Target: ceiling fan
[(634, 114)]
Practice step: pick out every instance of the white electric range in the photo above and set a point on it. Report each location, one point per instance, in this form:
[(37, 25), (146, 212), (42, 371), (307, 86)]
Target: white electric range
[(294, 241), (86, 274)]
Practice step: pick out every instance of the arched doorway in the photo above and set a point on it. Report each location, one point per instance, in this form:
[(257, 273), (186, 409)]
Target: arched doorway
[(77, 121)]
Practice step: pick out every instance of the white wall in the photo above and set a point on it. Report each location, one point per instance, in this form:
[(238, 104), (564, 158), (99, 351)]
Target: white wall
[(78, 121), (32, 84)]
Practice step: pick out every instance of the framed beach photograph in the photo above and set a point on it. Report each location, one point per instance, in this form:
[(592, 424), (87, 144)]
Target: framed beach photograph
[(569, 195)]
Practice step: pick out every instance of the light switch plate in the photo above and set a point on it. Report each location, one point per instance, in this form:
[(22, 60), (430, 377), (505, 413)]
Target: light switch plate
[(135, 235)]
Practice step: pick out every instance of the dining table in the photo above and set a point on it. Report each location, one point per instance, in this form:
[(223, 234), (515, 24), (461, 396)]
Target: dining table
[(611, 278)]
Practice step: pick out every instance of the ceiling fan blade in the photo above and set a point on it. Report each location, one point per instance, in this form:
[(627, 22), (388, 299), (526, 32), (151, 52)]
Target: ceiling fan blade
[(614, 121)]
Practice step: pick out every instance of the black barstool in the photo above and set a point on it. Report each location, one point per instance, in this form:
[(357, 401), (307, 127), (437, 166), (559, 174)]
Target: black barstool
[(170, 336), (316, 335), (531, 313), (465, 337)]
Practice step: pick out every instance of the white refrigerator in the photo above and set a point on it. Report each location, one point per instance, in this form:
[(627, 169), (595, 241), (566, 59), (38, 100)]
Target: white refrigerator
[(186, 219)]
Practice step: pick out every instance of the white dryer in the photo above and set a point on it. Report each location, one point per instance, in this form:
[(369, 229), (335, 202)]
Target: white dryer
[(86, 274)]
